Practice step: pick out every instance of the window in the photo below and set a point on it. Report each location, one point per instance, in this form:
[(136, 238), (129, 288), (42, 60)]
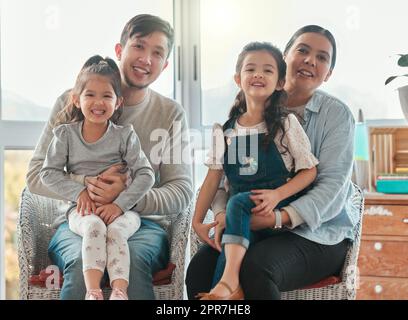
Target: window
[(200, 170), (366, 48), (367, 52), (44, 43), (15, 169)]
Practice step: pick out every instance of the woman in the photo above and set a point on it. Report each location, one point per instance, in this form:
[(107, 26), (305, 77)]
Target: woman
[(318, 225)]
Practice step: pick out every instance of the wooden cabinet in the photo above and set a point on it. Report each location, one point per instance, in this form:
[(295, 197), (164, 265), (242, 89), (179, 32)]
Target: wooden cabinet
[(388, 151), (383, 258)]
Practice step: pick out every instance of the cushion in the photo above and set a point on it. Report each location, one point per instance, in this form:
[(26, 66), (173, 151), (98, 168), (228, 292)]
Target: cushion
[(161, 277), (324, 283)]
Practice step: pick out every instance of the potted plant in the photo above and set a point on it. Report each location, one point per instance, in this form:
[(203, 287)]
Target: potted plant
[(402, 91), (402, 62)]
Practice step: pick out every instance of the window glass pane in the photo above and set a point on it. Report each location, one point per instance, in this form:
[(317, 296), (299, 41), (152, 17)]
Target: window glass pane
[(200, 170), (15, 169), (367, 48), (44, 43)]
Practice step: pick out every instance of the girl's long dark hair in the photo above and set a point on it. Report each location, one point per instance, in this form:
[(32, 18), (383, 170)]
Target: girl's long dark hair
[(274, 111), (95, 65)]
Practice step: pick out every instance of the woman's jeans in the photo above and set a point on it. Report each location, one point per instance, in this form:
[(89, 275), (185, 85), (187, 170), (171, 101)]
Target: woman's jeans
[(149, 253)]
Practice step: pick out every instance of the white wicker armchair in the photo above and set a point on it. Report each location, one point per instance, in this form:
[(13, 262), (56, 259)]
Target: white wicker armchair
[(346, 289), (34, 233)]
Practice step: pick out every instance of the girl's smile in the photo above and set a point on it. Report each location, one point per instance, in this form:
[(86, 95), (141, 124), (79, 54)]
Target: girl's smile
[(97, 100), (259, 75)]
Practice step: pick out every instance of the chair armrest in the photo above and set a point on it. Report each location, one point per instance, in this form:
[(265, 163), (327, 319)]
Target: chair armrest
[(33, 234), (179, 233), (25, 234), (178, 237), (34, 230), (25, 242), (349, 274)]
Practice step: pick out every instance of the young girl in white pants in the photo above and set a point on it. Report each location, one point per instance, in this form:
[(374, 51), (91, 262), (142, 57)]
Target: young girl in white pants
[(87, 142)]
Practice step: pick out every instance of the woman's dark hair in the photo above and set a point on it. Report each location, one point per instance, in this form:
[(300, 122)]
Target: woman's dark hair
[(95, 65), (274, 111), (314, 29), (145, 24)]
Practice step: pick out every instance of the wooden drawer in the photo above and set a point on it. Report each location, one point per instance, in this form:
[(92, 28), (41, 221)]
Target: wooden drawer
[(379, 224), (377, 288), (380, 257)]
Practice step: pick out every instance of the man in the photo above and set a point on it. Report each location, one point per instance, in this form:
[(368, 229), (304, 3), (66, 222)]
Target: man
[(143, 52)]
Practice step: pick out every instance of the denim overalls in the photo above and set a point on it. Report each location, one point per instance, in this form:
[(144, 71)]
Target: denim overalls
[(247, 169)]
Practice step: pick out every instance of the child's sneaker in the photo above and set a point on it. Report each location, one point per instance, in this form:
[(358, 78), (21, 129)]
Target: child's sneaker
[(118, 294), (94, 294)]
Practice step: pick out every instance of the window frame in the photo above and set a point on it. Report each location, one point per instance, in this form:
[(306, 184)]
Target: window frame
[(2, 227)]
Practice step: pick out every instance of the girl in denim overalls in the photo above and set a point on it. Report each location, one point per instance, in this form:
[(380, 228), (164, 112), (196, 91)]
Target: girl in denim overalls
[(261, 147)]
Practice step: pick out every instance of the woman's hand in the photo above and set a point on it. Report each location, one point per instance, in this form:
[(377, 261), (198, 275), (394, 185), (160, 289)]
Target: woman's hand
[(203, 230), (85, 205), (269, 220), (109, 212), (265, 201)]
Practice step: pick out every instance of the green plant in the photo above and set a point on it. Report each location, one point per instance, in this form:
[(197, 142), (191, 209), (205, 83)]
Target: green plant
[(402, 62)]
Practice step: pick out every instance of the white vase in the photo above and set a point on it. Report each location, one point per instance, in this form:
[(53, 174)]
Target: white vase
[(403, 97)]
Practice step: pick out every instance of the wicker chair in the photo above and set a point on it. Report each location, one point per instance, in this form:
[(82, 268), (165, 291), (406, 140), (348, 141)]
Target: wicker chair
[(34, 233), (344, 290)]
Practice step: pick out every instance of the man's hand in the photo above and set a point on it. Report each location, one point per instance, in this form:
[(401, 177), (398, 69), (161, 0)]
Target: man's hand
[(106, 187), (116, 170), (106, 190), (109, 212), (85, 205)]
